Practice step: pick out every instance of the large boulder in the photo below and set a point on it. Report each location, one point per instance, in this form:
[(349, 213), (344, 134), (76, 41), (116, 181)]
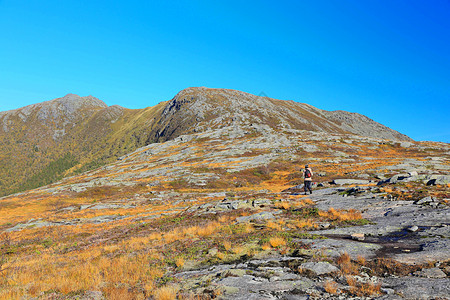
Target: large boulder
[(410, 176), (438, 179), (319, 268)]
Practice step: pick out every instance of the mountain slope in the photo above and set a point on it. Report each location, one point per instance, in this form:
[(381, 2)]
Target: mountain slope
[(44, 142), (213, 108)]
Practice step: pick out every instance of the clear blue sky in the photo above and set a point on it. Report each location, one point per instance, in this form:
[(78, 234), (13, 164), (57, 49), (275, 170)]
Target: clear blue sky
[(389, 60)]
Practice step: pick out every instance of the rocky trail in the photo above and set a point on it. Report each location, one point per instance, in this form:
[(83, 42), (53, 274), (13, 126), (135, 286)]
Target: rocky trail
[(409, 233)]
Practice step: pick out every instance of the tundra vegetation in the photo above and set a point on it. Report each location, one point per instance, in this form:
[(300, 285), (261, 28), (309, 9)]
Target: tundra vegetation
[(201, 215), (126, 230)]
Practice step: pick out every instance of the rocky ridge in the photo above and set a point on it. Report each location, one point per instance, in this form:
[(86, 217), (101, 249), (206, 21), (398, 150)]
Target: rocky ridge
[(213, 108), (72, 134)]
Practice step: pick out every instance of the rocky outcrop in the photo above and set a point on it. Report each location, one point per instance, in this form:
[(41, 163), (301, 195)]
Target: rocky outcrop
[(364, 126), (214, 108)]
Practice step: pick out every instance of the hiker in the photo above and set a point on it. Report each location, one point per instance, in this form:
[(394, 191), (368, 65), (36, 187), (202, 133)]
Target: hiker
[(307, 175)]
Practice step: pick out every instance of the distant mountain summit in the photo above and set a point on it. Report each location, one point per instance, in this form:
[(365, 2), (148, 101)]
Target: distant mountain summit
[(44, 142), (206, 108), (68, 107)]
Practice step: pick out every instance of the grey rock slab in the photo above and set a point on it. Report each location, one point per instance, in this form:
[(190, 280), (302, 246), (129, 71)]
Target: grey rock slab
[(249, 284), (216, 195), (77, 189), (103, 219), (443, 179), (110, 206), (425, 200), (431, 273), (367, 230), (319, 268), (285, 276), (330, 198), (260, 202), (33, 224), (358, 236), (406, 144), (335, 247), (434, 249), (413, 228), (350, 181), (400, 177), (432, 232), (278, 262), (264, 215), (295, 296), (410, 215), (419, 288), (92, 295), (69, 208)]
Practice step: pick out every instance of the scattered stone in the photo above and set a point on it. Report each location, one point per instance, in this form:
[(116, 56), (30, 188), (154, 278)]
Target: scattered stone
[(319, 268), (77, 189), (350, 181), (325, 225), (260, 202), (406, 144), (264, 215), (358, 236), (418, 288), (69, 208), (436, 179), (294, 188), (413, 228), (413, 173), (110, 206), (442, 179), (387, 291), (92, 295), (431, 273), (411, 176), (425, 200), (213, 251)]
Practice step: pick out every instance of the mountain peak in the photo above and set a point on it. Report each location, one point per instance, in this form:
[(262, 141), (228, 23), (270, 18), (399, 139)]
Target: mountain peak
[(209, 108), (71, 97), (75, 102)]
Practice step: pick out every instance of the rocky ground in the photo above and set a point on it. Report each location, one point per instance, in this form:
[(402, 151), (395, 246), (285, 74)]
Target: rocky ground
[(413, 233), (221, 214)]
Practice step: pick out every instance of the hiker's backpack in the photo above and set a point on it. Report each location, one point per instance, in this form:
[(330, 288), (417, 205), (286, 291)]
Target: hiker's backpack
[(307, 173)]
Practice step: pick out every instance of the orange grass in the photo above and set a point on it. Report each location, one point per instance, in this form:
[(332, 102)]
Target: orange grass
[(179, 262), (368, 288), (275, 226), (330, 287), (305, 223), (227, 245), (345, 264), (277, 242), (341, 215), (283, 205), (166, 293)]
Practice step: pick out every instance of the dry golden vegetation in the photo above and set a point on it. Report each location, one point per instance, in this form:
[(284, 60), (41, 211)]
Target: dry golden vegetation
[(134, 257), (135, 253)]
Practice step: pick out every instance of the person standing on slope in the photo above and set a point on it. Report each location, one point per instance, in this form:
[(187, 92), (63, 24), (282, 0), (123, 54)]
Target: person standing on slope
[(307, 175)]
